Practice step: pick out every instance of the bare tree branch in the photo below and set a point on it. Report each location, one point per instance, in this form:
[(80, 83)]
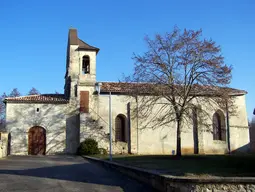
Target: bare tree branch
[(179, 70)]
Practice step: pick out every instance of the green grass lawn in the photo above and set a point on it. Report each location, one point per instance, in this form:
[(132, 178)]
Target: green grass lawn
[(192, 165)]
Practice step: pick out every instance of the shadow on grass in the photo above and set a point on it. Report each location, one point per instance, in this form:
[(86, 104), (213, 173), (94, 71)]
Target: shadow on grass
[(190, 165)]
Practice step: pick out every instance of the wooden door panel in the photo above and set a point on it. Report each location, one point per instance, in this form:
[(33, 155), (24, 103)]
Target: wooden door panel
[(84, 101), (37, 141)]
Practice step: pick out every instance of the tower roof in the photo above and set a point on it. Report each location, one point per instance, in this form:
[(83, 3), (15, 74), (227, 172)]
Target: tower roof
[(74, 40)]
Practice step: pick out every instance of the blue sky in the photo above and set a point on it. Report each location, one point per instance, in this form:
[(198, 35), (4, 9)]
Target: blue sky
[(33, 36)]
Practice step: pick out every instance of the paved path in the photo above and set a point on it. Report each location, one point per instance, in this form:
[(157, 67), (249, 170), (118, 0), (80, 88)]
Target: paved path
[(61, 174)]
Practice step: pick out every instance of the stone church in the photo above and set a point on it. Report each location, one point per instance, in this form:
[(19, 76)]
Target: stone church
[(57, 123)]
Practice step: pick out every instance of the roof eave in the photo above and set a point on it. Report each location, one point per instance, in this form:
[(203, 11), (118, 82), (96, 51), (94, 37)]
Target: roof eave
[(239, 94), (146, 93), (42, 102), (89, 49)]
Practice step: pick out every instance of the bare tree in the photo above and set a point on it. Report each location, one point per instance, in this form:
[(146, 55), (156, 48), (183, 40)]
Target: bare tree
[(2, 110), (177, 69), (33, 91), (14, 93)]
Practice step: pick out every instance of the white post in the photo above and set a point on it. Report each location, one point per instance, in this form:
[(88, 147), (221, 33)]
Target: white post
[(137, 131), (110, 124)]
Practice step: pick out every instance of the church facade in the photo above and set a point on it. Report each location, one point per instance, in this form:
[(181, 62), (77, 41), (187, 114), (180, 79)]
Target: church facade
[(57, 123)]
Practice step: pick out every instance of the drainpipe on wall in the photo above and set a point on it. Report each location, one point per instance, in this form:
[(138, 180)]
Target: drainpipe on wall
[(98, 86), (137, 147), (228, 131), (110, 124)]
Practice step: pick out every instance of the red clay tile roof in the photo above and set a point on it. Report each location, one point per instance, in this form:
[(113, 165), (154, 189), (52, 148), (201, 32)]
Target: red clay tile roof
[(116, 87), (145, 88), (43, 98)]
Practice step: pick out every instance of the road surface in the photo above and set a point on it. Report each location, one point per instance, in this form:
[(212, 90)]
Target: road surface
[(61, 174)]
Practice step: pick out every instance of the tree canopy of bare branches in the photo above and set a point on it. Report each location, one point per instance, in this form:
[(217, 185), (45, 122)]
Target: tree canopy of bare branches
[(33, 91), (14, 93), (2, 110), (183, 66)]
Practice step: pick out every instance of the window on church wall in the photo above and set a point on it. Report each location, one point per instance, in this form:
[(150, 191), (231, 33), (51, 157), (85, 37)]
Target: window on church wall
[(75, 91), (195, 111), (219, 130), (85, 65), (120, 127), (67, 88)]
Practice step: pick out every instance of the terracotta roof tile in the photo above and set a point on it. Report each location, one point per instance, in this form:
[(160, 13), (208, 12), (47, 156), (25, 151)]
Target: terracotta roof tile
[(43, 98), (146, 88), (117, 87)]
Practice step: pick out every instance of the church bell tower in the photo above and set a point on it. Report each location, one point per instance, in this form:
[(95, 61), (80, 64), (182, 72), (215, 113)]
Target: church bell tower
[(80, 67)]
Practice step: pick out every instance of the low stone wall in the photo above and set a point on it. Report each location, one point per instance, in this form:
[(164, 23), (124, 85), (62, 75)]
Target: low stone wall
[(211, 185), (168, 183)]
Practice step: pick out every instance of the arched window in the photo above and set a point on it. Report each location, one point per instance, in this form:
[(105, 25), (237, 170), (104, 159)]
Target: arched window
[(219, 128), (85, 65), (120, 128)]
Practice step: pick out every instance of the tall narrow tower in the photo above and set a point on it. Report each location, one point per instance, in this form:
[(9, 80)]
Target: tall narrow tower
[(80, 67), (80, 80)]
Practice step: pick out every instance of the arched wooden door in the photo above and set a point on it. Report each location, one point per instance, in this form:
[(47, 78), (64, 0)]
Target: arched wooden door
[(37, 141)]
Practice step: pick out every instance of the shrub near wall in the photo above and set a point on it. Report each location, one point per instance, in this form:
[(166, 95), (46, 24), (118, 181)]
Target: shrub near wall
[(88, 147)]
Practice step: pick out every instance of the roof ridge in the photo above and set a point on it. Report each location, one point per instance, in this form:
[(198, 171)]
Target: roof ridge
[(126, 82), (44, 94), (21, 96), (41, 98), (125, 87), (167, 84)]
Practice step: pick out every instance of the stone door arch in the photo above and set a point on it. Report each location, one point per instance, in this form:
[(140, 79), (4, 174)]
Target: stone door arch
[(36, 141)]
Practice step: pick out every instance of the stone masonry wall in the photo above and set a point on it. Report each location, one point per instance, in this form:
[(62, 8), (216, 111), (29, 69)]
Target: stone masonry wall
[(20, 117), (162, 140), (210, 187)]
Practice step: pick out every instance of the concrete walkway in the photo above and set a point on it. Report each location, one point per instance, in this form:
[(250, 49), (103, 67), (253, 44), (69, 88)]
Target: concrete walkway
[(61, 173)]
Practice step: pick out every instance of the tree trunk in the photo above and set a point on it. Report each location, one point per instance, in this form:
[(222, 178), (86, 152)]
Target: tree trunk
[(178, 144)]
